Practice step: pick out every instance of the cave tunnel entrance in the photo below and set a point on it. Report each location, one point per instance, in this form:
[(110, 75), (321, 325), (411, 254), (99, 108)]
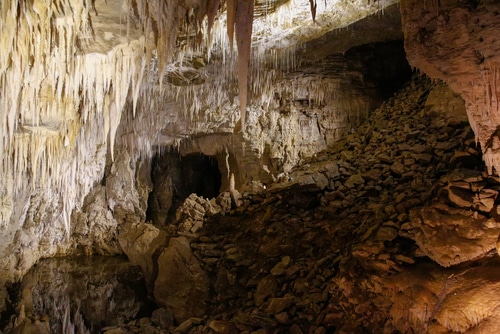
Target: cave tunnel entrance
[(175, 177), (385, 67)]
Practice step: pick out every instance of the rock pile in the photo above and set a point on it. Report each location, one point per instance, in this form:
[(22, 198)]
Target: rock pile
[(343, 243), (190, 216)]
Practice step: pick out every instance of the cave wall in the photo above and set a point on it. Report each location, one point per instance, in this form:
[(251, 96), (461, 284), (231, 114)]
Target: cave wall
[(455, 41)]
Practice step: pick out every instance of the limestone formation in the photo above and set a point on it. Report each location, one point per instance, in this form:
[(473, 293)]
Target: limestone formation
[(89, 89), (181, 284), (94, 226), (463, 213), (141, 242)]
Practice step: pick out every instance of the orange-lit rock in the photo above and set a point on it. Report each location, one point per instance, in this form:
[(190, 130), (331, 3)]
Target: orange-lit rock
[(427, 298)]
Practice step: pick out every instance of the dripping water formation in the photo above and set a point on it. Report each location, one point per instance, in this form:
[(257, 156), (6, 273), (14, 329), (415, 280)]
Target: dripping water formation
[(185, 186)]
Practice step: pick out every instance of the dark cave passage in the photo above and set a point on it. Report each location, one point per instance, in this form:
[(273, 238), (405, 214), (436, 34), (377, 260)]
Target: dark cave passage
[(384, 66), (175, 177)]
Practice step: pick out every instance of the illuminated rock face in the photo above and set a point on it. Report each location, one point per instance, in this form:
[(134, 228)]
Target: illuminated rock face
[(328, 248), (455, 41), (61, 101)]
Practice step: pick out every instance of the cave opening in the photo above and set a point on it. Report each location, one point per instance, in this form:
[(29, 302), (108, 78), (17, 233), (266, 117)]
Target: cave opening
[(175, 177), (384, 66)]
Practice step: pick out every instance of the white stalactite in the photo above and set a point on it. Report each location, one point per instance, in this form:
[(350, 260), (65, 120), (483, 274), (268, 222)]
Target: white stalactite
[(52, 94)]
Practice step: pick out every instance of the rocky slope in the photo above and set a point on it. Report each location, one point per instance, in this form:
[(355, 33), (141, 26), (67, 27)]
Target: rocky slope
[(393, 229), (70, 70)]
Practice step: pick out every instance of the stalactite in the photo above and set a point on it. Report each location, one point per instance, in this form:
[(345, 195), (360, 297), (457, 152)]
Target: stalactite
[(231, 19), (212, 8), (244, 23), (61, 106), (314, 5), (55, 101), (227, 162)]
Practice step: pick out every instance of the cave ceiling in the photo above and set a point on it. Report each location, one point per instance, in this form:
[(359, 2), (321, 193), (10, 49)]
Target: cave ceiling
[(281, 35), (277, 25), (77, 77), (92, 92), (278, 33)]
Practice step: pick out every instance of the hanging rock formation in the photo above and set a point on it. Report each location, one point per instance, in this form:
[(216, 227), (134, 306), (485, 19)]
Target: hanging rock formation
[(455, 41), (72, 73)]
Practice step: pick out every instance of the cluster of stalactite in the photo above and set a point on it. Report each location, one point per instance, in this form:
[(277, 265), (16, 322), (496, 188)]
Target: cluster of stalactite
[(52, 91)]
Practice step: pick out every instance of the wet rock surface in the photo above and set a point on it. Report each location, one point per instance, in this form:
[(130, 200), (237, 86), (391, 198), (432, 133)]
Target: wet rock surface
[(79, 295), (393, 229)]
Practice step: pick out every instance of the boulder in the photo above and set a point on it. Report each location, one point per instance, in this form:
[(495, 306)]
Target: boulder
[(461, 300), (181, 285), (468, 235), (190, 215), (303, 181), (140, 242)]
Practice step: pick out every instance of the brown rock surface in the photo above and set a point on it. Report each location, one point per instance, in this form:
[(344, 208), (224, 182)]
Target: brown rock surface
[(82, 102), (362, 252), (181, 285), (437, 300), (140, 242), (451, 236), (329, 223)]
